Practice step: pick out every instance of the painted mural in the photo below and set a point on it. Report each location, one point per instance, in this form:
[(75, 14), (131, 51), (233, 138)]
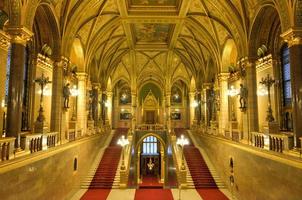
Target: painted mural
[(154, 2), (152, 32)]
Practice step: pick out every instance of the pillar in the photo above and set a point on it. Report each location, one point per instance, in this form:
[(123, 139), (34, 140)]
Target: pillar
[(82, 104), (95, 103), (19, 36), (109, 107), (208, 103), (224, 103), (252, 100), (294, 39), (168, 111), (56, 124), (192, 108), (4, 45), (133, 110)]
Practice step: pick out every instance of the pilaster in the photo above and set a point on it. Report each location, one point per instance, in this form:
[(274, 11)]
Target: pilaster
[(82, 104)]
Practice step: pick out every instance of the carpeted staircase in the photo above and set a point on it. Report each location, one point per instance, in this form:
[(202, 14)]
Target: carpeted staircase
[(105, 174), (199, 170)]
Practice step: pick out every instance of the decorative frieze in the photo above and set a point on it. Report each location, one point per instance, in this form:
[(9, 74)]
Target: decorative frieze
[(19, 35)]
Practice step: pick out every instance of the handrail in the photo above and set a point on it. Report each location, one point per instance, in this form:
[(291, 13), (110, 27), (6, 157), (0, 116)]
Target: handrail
[(6, 148)]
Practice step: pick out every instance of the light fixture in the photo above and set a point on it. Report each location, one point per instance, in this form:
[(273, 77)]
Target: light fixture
[(74, 91), (46, 91), (195, 104), (107, 103), (262, 91), (3, 103), (233, 91), (182, 141), (123, 142)]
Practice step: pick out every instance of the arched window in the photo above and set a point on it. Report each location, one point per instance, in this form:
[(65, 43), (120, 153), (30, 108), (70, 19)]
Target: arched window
[(286, 82), (150, 146)]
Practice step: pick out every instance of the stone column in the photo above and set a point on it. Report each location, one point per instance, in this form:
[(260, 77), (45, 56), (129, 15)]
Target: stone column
[(294, 39), (95, 103), (82, 104), (4, 45), (192, 108), (109, 107), (133, 111), (224, 103), (57, 99), (19, 36), (207, 105), (252, 104), (168, 111)]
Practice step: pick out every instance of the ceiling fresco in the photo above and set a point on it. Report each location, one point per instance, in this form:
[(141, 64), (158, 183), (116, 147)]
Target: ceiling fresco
[(153, 2), (152, 33)]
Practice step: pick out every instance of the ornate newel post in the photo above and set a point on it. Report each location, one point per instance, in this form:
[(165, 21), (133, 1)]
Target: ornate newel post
[(19, 38), (4, 45), (40, 124), (294, 39), (271, 126)]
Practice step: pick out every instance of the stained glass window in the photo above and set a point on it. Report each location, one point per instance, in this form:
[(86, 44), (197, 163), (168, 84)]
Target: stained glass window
[(150, 146), (285, 61)]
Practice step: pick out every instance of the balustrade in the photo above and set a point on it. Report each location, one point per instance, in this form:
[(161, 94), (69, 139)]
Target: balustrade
[(6, 148), (151, 127)]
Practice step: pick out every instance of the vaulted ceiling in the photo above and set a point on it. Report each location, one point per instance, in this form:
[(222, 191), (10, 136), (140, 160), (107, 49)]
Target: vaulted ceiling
[(162, 40)]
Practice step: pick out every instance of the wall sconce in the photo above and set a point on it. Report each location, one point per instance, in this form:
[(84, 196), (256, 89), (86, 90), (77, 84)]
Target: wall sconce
[(74, 91), (262, 91), (233, 91), (195, 104), (107, 104), (46, 91)]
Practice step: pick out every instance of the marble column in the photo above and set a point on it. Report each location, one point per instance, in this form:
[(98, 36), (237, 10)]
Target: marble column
[(294, 39), (19, 38), (192, 108), (56, 124), (109, 106), (133, 110), (224, 103), (252, 104), (4, 45), (82, 104)]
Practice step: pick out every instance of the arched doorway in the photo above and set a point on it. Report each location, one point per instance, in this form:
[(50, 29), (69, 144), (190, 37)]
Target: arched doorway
[(151, 160)]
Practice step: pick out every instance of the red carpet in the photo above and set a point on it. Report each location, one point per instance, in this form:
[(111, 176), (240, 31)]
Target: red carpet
[(102, 181), (153, 194), (150, 182), (201, 175)]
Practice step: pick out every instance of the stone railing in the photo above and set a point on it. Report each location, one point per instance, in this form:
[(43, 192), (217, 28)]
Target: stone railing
[(258, 139), (124, 174), (37, 141), (177, 157), (273, 142), (71, 135), (150, 127), (7, 148)]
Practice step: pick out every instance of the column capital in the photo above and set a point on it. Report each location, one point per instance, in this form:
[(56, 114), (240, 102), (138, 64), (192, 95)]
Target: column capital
[(109, 93), (293, 36), (223, 76), (96, 85), (19, 34), (82, 76), (207, 86), (4, 40)]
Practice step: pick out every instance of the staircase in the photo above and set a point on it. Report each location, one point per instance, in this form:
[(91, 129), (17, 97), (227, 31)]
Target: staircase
[(201, 175), (106, 174)]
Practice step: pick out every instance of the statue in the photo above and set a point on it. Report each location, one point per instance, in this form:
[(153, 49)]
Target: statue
[(66, 95), (242, 96)]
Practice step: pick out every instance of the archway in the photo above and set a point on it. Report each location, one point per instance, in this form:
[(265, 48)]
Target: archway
[(151, 153)]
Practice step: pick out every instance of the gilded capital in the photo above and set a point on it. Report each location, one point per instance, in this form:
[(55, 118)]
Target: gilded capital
[(82, 76), (18, 34), (223, 76), (4, 40), (293, 36)]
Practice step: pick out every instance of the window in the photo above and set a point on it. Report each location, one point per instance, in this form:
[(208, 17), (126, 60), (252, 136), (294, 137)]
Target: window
[(150, 146), (285, 62), (7, 75)]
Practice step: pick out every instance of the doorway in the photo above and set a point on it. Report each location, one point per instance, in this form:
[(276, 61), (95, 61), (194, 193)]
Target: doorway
[(150, 117)]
